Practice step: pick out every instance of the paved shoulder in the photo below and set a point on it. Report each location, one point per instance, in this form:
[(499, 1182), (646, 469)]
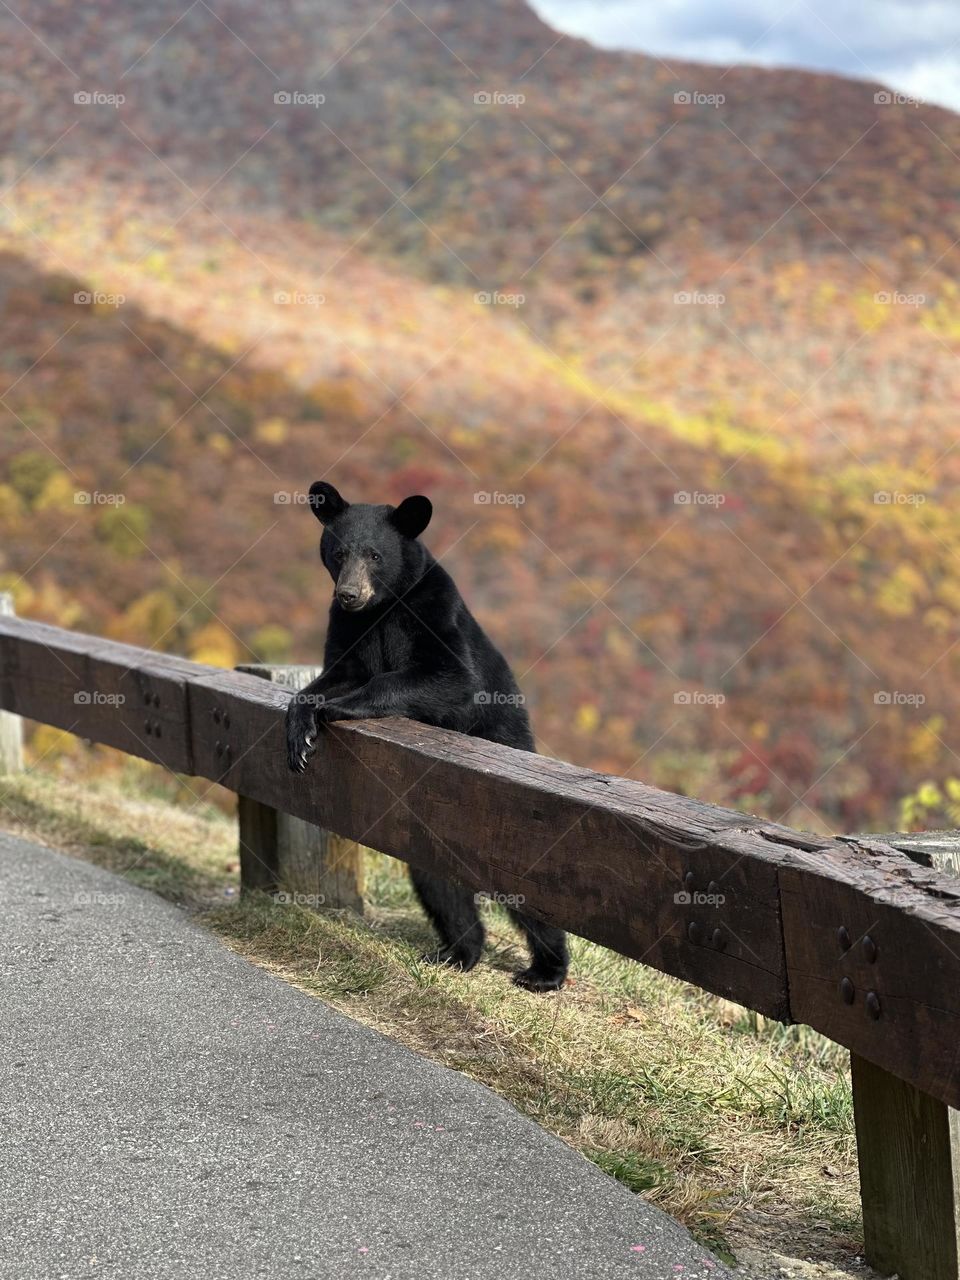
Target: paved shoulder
[(171, 1111)]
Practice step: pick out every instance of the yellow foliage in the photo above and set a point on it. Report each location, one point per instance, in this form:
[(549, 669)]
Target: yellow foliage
[(49, 744), (214, 645), (57, 494), (923, 743), (938, 619), (51, 603), (273, 431), (588, 717), (503, 536), (221, 444), (898, 595), (148, 620), (12, 508)]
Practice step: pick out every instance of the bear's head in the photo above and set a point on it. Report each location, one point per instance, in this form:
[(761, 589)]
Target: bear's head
[(368, 549)]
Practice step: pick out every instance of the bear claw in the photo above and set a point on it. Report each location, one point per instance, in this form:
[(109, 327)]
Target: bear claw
[(534, 979)]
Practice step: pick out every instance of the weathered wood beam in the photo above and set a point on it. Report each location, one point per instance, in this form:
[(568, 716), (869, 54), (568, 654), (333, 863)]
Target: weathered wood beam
[(748, 909)]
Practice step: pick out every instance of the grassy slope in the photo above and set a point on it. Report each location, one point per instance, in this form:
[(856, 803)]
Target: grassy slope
[(740, 1128)]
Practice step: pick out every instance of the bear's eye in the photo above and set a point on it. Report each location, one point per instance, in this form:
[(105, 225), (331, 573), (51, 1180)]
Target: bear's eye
[(374, 557), (339, 555)]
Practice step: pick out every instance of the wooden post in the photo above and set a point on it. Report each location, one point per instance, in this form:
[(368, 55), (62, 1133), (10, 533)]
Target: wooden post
[(908, 1148), (11, 726), (908, 1144), (279, 852)]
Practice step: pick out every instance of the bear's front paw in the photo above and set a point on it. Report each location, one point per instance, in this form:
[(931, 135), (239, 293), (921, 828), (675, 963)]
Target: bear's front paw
[(302, 732)]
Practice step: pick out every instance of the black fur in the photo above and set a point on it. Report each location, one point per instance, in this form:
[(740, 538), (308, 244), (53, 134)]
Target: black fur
[(401, 642)]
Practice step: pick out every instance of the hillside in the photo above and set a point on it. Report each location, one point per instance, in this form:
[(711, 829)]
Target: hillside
[(695, 332)]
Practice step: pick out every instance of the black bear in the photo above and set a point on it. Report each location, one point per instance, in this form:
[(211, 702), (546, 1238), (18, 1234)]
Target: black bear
[(401, 642)]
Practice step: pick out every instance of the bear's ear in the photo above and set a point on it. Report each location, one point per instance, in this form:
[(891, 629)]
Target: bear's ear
[(412, 516), (325, 502)]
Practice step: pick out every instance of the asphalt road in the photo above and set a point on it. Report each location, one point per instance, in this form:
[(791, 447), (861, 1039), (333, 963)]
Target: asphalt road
[(168, 1110)]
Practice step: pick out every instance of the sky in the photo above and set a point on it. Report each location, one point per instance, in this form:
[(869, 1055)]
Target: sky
[(912, 46)]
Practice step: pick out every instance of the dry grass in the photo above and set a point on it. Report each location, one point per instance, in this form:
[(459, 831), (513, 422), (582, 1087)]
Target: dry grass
[(732, 1124)]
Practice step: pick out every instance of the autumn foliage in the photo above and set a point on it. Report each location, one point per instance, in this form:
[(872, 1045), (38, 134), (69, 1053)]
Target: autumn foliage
[(680, 378)]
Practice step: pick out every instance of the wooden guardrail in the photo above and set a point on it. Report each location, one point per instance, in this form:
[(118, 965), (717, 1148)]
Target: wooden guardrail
[(848, 934)]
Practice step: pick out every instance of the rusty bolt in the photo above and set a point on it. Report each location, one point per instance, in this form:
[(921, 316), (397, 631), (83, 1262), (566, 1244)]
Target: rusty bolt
[(147, 727), (843, 937), (146, 696), (869, 949), (719, 940), (847, 991), (156, 699), (713, 887), (226, 720), (689, 880), (216, 715), (218, 749), (694, 932), (873, 1005)]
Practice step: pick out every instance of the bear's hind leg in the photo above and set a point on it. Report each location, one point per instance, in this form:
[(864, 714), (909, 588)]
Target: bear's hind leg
[(548, 953), (453, 910)]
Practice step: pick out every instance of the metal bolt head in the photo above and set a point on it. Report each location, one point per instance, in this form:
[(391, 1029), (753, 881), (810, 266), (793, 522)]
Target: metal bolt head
[(146, 696), (873, 1005), (848, 992), (869, 949), (216, 715), (713, 888), (719, 939), (147, 727), (689, 880), (226, 720), (218, 749), (156, 699), (843, 937), (694, 932)]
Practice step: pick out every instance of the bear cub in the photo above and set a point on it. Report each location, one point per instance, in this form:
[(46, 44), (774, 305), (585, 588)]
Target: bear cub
[(401, 642)]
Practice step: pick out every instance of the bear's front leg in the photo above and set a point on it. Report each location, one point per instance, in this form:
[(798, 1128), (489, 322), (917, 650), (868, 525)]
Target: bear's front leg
[(303, 726)]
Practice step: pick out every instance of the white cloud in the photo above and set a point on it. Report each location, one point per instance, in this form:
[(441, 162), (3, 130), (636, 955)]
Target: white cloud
[(911, 45)]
